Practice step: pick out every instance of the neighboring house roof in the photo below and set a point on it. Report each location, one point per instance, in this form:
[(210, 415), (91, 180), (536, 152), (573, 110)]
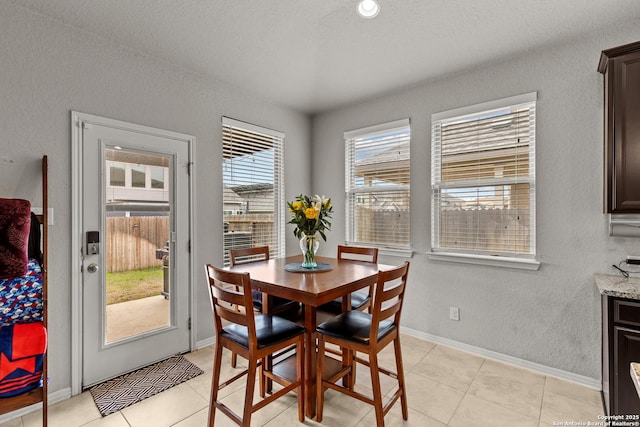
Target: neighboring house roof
[(398, 152), (386, 164), (231, 197), (252, 188), (450, 201)]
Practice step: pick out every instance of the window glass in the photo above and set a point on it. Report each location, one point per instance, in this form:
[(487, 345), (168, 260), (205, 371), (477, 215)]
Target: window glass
[(377, 185), (138, 176), (157, 177), (253, 187), (483, 179), (116, 174)]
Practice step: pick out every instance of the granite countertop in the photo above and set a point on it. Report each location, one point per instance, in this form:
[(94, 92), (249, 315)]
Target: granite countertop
[(618, 286), (635, 375)]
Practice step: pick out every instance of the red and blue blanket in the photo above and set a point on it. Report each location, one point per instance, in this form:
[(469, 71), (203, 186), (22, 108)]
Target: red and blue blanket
[(22, 348), (23, 337), (21, 297)]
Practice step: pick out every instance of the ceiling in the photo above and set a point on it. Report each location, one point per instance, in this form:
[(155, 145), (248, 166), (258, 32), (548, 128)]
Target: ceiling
[(317, 55)]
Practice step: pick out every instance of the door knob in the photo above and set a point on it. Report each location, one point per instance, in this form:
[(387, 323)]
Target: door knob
[(92, 268)]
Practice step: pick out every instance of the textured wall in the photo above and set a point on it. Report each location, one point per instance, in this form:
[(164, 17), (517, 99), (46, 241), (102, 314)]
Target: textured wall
[(550, 316), (49, 69)]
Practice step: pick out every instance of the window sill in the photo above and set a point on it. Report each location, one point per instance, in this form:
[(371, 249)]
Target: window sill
[(402, 253), (494, 261)]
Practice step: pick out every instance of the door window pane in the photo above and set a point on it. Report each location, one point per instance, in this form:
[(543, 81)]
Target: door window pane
[(137, 251)]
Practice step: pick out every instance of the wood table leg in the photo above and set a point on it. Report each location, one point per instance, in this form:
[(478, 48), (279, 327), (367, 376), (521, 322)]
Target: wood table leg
[(266, 384), (311, 359), (348, 380)]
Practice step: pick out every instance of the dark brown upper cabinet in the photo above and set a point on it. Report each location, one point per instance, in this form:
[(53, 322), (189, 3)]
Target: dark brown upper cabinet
[(621, 68)]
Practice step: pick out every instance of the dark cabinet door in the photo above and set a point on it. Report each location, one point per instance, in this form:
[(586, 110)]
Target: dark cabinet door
[(621, 69), (627, 350), (626, 128)]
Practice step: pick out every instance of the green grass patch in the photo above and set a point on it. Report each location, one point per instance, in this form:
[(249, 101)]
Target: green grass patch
[(134, 284)]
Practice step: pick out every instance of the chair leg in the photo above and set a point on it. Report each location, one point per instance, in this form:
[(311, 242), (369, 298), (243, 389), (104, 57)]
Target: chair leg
[(268, 364), (300, 376), (262, 379), (234, 357), (377, 391), (349, 380), (248, 396), (215, 381), (400, 372), (354, 368), (319, 387)]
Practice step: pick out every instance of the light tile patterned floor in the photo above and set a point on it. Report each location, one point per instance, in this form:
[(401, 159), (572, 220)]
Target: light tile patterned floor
[(445, 387)]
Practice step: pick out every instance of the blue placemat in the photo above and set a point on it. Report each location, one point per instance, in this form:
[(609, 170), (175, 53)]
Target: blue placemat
[(296, 267)]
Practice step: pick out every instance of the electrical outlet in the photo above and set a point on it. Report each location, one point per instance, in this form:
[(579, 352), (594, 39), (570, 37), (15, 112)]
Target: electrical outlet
[(454, 313)]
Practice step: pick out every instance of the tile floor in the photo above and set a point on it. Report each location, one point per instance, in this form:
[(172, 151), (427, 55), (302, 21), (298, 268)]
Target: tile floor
[(445, 387)]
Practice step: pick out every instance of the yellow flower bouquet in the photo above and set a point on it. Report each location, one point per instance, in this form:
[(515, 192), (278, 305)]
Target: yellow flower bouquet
[(310, 215)]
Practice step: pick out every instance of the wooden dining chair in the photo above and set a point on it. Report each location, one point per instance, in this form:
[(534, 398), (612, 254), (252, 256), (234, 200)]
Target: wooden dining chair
[(359, 300), (369, 333), (279, 305), (254, 336)]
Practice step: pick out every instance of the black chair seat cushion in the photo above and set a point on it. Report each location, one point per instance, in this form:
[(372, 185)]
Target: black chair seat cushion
[(278, 302), (358, 299), (354, 326), (269, 330)]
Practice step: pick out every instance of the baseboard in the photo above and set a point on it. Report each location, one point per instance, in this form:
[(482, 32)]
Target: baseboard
[(55, 397), (205, 342), (537, 367)]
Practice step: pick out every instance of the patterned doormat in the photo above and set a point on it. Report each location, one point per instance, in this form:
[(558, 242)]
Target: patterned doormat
[(118, 393)]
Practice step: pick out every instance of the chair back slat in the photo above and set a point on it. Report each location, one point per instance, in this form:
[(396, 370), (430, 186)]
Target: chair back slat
[(391, 291), (235, 306), (246, 255), (391, 300), (358, 253), (228, 303), (231, 315), (222, 293), (388, 297)]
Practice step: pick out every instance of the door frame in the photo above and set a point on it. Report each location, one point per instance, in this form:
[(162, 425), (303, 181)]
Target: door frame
[(78, 119)]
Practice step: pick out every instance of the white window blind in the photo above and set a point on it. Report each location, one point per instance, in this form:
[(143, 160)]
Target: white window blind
[(377, 185), (483, 178), (253, 187)]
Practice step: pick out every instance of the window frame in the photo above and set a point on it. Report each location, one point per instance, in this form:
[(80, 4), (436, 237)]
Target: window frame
[(277, 249), (504, 258), (351, 190)]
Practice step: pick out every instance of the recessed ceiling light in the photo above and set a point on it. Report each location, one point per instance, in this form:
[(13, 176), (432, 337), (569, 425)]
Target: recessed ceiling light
[(368, 8)]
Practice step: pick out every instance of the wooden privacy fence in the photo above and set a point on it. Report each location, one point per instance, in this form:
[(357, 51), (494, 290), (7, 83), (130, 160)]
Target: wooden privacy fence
[(504, 230), (247, 230), (259, 225), (131, 242), (381, 226)]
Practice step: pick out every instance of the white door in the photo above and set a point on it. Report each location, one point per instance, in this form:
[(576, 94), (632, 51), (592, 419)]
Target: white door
[(135, 254)]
